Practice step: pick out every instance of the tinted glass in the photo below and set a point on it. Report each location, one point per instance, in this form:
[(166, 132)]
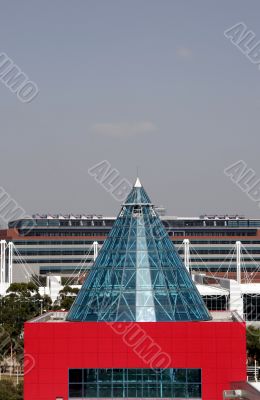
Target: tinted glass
[(135, 383)]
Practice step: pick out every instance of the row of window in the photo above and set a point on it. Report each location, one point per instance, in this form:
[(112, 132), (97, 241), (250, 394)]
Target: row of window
[(217, 251), (128, 390), (109, 222), (219, 242), (213, 233), (251, 307), (59, 223), (58, 252), (77, 261), (216, 303), (90, 242), (89, 252), (203, 223), (194, 267), (54, 242), (226, 267), (59, 270), (226, 260), (93, 232), (61, 233), (133, 383)]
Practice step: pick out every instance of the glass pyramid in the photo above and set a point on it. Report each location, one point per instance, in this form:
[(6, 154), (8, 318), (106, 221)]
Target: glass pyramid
[(138, 274)]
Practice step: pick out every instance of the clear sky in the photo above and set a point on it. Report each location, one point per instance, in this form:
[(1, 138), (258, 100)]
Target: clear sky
[(146, 83)]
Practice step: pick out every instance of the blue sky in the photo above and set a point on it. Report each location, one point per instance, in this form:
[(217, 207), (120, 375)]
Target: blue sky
[(153, 84)]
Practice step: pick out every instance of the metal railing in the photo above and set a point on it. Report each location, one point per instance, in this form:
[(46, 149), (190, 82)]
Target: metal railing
[(253, 373)]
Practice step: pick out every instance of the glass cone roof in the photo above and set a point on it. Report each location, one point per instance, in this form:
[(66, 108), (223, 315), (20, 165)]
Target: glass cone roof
[(138, 274)]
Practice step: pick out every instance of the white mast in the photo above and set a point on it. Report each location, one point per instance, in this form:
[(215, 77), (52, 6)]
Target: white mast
[(95, 247), (2, 263), (10, 262), (238, 259), (186, 243)]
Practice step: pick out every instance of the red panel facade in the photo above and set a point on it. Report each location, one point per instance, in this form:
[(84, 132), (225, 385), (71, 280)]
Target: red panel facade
[(218, 348)]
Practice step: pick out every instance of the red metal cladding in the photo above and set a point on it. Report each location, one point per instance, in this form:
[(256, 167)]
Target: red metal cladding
[(218, 348)]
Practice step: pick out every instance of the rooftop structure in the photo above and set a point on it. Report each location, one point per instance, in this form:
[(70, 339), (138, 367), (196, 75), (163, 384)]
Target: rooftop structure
[(62, 316), (100, 216), (138, 274)]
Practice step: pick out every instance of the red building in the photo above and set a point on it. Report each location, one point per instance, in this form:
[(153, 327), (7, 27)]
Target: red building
[(138, 328), (216, 348)]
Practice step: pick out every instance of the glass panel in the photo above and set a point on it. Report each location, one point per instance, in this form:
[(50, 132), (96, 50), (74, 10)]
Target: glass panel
[(76, 375), (105, 391), (132, 375), (166, 375), (90, 390), (90, 375), (166, 390), (118, 390), (180, 375), (75, 390), (193, 375), (154, 391), (118, 375), (139, 391), (105, 375), (194, 390), (179, 391), (131, 390)]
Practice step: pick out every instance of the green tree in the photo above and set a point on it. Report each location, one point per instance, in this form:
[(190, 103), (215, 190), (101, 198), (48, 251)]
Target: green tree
[(22, 303), (253, 342), (67, 296), (10, 391)]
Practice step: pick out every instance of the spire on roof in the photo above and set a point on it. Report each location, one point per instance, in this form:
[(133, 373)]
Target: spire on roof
[(138, 274), (137, 195), (137, 183)]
